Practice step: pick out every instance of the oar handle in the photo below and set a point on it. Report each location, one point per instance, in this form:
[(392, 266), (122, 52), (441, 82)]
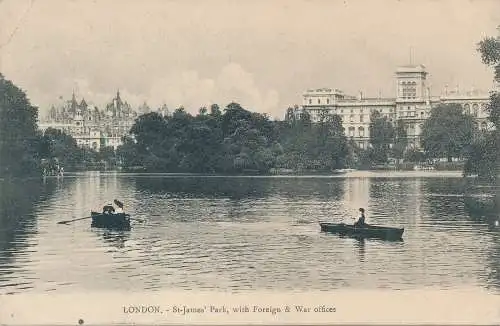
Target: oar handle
[(66, 222)]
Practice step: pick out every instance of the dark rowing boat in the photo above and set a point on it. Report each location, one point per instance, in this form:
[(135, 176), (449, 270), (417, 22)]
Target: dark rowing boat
[(115, 221), (367, 231)]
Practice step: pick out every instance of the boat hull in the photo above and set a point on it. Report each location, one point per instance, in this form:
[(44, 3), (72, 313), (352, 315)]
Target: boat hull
[(118, 221), (368, 231)]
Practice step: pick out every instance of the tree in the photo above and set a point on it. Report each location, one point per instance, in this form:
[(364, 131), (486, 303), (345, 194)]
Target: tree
[(400, 141), (484, 156), (381, 137), (19, 138), (448, 132), (55, 144)]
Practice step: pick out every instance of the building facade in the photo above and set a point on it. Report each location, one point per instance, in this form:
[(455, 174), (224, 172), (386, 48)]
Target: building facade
[(412, 104), (91, 127)]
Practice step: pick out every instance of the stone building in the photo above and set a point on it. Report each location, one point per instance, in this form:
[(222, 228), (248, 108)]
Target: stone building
[(90, 126), (412, 104)]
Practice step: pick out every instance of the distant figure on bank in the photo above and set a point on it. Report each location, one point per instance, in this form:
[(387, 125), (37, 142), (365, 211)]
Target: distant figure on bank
[(108, 209), (361, 220)]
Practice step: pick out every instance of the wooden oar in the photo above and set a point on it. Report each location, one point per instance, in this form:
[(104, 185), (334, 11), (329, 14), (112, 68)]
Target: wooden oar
[(66, 222)]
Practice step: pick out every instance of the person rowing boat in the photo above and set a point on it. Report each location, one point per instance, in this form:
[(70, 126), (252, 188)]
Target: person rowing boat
[(361, 220), (110, 208)]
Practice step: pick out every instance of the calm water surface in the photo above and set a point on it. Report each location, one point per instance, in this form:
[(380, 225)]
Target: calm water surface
[(243, 233)]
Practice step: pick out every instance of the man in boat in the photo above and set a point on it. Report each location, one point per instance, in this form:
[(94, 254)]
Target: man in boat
[(361, 220), (108, 209)]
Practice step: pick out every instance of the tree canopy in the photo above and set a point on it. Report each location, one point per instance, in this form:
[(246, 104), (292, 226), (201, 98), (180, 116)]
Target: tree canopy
[(235, 140), (18, 131), (484, 156), (448, 132)]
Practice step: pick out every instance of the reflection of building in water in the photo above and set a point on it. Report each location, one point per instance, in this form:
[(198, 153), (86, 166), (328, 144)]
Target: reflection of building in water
[(90, 126), (412, 104), (356, 195)]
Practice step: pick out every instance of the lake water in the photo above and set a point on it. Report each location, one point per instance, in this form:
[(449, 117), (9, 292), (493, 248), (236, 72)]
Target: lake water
[(242, 234)]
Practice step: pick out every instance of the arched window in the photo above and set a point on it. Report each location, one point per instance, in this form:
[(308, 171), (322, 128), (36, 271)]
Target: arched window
[(361, 131), (483, 126), (351, 131), (475, 109)]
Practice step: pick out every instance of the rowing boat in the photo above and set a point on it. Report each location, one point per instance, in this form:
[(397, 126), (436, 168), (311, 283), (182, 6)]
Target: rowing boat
[(366, 231), (116, 221)]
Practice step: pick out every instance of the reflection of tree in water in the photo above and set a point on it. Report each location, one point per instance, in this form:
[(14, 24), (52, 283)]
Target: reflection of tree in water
[(242, 187), (444, 197), (449, 196), (479, 204), (485, 210), (18, 202)]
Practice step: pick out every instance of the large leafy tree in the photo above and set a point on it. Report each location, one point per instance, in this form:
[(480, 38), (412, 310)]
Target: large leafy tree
[(400, 141), (381, 137), (55, 144), (18, 131), (484, 157), (448, 132), (233, 141)]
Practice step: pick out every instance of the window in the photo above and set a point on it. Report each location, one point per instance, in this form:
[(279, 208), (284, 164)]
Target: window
[(475, 109), (351, 131), (327, 101), (310, 101), (351, 118), (409, 90), (319, 101), (361, 131), (361, 118)]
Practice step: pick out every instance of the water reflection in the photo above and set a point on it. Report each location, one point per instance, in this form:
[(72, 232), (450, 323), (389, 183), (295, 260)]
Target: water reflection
[(242, 234), (238, 188), (116, 239), (19, 202)]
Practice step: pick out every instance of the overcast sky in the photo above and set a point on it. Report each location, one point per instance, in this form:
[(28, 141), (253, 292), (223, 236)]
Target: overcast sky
[(260, 53)]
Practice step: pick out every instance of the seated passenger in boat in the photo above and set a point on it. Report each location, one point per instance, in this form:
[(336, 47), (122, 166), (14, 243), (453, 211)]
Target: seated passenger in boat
[(108, 209), (361, 220)]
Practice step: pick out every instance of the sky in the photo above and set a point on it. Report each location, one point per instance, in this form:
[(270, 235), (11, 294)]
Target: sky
[(262, 54)]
